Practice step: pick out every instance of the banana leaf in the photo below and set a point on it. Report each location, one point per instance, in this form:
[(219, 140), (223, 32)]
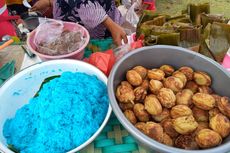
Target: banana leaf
[(163, 39), (12, 148), (145, 30), (158, 30), (194, 10), (219, 40), (204, 48), (158, 21), (169, 39), (46, 81), (178, 25), (209, 18), (150, 40), (148, 30), (190, 36), (146, 16), (181, 18)]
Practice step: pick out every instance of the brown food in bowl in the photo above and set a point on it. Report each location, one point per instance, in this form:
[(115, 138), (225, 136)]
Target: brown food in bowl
[(173, 83), (165, 114), (140, 112), (220, 124), (224, 106), (140, 126), (217, 99), (125, 93), (140, 94), (200, 114), (213, 112), (202, 78), (188, 72), (167, 97), (169, 129), (180, 111), (125, 106), (186, 142), (184, 97), (181, 76), (207, 138), (154, 131), (168, 70), (145, 84), (167, 140), (155, 86), (192, 86), (152, 105), (141, 70), (134, 78), (203, 101), (201, 125), (129, 114), (205, 89), (127, 84), (156, 74), (185, 124)]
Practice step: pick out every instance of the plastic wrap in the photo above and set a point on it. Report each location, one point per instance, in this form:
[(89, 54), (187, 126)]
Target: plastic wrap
[(124, 49), (53, 38), (131, 15)]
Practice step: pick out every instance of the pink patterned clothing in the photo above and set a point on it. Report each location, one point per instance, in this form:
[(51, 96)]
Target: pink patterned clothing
[(89, 13)]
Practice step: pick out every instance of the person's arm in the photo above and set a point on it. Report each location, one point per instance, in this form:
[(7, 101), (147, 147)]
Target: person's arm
[(117, 31), (42, 5), (93, 14)]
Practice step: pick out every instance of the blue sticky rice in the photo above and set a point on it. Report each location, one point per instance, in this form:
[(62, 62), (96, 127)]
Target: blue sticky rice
[(67, 112)]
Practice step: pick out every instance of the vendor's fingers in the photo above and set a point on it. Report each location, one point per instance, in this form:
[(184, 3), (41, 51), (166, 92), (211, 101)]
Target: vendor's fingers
[(33, 9), (125, 39)]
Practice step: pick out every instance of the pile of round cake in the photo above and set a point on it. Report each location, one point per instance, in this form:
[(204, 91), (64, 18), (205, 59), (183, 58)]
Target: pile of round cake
[(175, 107)]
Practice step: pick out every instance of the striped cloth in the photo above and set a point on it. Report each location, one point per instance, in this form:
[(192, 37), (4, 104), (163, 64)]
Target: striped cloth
[(89, 13)]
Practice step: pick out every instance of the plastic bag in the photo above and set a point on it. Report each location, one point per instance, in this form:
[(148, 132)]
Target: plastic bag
[(102, 60), (52, 37), (126, 3), (105, 60), (131, 16), (124, 49)]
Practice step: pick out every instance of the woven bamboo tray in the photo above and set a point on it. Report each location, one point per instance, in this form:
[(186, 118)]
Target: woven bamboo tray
[(114, 139)]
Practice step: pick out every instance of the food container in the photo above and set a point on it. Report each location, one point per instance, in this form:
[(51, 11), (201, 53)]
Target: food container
[(78, 54), (153, 57), (17, 91)]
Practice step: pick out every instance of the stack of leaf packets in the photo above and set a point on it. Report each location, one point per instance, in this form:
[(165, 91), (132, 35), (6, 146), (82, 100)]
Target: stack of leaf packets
[(195, 27)]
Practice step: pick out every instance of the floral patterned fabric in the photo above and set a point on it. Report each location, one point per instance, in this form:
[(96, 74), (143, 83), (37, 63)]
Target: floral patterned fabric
[(89, 13)]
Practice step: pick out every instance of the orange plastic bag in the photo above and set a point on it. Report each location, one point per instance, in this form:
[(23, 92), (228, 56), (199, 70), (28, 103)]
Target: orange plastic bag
[(102, 60)]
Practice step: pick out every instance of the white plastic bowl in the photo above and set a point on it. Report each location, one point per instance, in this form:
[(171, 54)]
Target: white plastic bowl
[(17, 91)]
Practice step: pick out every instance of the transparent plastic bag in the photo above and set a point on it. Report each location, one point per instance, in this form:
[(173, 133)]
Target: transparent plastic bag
[(131, 16), (120, 51), (126, 3), (53, 38)]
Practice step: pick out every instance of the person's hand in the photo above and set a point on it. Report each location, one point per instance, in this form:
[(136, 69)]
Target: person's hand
[(41, 5), (117, 32)]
